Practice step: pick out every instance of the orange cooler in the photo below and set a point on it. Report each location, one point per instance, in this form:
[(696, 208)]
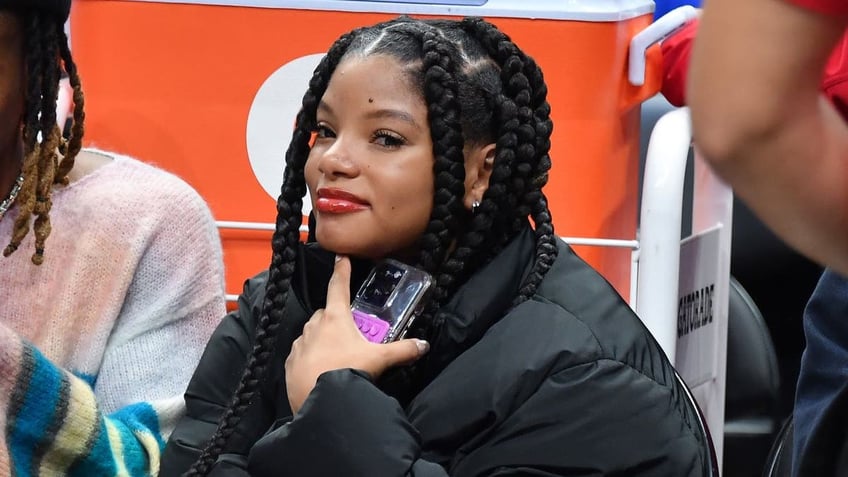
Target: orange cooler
[(208, 90)]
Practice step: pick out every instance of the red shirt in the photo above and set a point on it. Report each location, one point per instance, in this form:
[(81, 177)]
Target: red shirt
[(832, 7), (677, 49)]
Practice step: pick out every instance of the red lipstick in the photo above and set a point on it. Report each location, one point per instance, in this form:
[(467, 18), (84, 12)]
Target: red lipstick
[(337, 201)]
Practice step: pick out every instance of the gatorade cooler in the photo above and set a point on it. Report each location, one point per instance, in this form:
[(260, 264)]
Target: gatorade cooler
[(209, 90)]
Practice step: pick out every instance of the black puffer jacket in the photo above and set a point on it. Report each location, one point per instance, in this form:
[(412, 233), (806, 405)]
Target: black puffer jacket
[(569, 383)]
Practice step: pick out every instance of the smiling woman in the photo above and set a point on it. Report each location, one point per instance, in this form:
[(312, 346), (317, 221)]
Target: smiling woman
[(371, 157), (427, 142)]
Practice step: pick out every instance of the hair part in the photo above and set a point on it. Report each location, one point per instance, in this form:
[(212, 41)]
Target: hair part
[(47, 156)]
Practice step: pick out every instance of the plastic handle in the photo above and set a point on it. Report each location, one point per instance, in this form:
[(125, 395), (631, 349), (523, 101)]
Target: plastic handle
[(655, 33)]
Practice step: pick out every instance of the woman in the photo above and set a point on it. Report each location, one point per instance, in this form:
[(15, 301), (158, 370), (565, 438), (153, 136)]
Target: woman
[(111, 281), (427, 142)]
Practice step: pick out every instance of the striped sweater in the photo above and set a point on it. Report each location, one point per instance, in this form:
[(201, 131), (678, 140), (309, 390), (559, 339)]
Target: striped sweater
[(98, 343)]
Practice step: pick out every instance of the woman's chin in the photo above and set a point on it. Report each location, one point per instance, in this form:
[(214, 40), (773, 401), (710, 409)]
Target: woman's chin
[(342, 245), (362, 244)]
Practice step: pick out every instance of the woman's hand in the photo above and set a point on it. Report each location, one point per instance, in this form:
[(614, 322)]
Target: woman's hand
[(331, 340)]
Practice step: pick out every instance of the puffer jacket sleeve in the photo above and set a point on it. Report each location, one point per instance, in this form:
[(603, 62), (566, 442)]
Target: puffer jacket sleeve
[(349, 427), (598, 418), (213, 385)]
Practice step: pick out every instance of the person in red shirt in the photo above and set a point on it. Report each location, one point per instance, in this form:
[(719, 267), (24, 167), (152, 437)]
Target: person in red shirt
[(821, 401), (757, 116)]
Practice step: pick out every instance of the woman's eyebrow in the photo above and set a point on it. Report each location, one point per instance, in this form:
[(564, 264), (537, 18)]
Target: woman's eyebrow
[(324, 107), (392, 114)]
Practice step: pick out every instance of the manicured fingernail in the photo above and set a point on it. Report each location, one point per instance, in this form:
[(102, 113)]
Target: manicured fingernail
[(338, 257), (423, 347)]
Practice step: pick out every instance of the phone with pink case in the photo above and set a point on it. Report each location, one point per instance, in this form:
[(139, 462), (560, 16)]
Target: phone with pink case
[(389, 299)]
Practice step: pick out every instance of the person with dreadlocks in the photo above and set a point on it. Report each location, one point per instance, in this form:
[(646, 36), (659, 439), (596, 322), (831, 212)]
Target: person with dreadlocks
[(427, 142), (111, 279)]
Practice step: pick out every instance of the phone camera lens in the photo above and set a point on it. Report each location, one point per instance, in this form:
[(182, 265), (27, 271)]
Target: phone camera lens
[(384, 282)]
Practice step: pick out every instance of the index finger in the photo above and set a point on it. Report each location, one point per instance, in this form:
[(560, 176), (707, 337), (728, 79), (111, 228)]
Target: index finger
[(338, 290)]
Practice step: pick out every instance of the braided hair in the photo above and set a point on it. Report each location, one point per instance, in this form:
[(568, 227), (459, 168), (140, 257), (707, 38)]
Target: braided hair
[(47, 58), (480, 88)]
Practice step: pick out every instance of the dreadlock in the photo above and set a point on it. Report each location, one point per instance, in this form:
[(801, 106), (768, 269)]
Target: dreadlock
[(47, 58), (479, 88)]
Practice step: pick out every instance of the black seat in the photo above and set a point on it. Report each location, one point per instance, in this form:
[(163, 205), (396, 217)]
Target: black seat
[(752, 394), (829, 458), (779, 461)]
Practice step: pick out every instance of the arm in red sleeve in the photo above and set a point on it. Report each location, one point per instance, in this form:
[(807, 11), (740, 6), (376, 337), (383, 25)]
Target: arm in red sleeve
[(676, 51)]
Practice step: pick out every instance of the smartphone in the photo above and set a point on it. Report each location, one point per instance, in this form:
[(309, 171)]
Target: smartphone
[(389, 300)]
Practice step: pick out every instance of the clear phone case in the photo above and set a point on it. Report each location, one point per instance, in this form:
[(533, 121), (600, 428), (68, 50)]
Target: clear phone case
[(389, 299)]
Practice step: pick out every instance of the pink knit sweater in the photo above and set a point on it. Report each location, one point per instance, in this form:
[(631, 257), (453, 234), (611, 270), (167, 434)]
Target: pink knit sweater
[(118, 314)]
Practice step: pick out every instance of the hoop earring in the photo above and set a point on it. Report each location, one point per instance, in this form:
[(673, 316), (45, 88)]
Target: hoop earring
[(474, 206)]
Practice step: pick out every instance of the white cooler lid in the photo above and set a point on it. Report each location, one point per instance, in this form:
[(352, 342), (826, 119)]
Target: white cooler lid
[(582, 10)]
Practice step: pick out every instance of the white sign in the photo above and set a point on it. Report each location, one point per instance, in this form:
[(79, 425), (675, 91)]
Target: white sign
[(702, 324), (697, 310)]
